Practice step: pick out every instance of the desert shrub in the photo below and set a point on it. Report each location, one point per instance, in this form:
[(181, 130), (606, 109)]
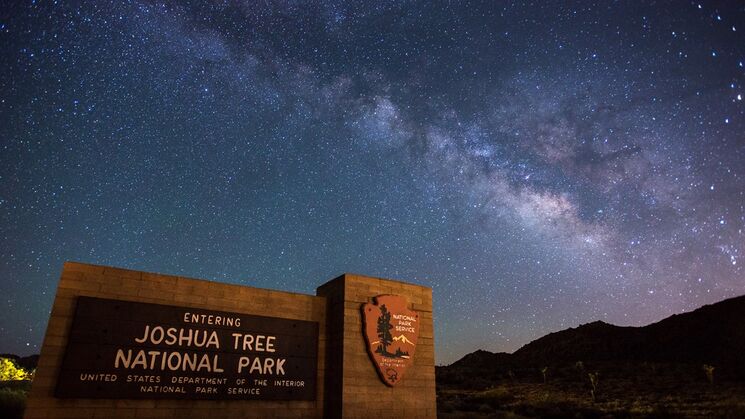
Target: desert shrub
[(485, 408), (9, 371), (12, 402), (14, 385), (495, 397), (594, 377), (662, 412), (445, 406), (709, 371), (734, 411), (564, 410), (465, 404)]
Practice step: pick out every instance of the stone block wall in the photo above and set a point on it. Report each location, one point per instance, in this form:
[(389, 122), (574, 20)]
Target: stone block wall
[(347, 383)]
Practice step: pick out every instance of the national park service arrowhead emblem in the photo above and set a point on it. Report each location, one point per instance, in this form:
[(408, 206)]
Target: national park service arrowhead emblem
[(391, 331)]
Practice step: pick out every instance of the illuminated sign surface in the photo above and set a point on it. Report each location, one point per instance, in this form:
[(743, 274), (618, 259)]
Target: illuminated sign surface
[(127, 350), (391, 332)]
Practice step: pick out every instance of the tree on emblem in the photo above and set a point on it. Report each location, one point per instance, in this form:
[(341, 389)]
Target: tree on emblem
[(384, 331)]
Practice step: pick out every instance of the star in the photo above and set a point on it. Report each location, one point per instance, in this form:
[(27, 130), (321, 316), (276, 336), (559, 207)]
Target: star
[(525, 159)]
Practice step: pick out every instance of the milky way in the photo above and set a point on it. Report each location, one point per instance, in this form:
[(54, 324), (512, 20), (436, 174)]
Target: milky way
[(539, 165)]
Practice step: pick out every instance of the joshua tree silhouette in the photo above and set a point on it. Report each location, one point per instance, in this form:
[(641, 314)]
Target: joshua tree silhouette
[(384, 331)]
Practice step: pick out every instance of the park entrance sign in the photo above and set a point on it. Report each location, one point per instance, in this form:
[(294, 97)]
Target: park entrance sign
[(127, 344), (127, 350)]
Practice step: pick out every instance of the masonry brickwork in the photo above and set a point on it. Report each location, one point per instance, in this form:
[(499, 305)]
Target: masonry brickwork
[(347, 382), (355, 390)]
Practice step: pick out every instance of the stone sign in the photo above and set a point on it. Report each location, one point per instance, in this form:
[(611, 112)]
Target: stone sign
[(124, 344), (391, 333), (121, 349)]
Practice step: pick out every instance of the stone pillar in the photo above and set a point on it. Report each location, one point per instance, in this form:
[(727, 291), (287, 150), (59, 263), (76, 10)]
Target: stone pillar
[(353, 388)]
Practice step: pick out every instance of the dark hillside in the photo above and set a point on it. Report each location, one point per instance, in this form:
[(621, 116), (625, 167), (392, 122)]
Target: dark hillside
[(713, 334)]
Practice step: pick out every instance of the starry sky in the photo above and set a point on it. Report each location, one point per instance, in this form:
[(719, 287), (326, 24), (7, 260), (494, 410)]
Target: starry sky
[(538, 164)]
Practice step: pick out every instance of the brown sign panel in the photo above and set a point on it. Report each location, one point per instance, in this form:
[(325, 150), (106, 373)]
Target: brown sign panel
[(391, 331), (127, 350)]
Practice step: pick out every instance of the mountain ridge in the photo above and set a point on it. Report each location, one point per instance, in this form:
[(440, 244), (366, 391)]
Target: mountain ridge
[(711, 334)]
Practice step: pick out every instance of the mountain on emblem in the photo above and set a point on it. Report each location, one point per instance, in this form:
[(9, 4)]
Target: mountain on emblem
[(402, 339), (391, 331)]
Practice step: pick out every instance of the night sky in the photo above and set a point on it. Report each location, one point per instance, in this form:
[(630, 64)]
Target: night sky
[(538, 164)]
